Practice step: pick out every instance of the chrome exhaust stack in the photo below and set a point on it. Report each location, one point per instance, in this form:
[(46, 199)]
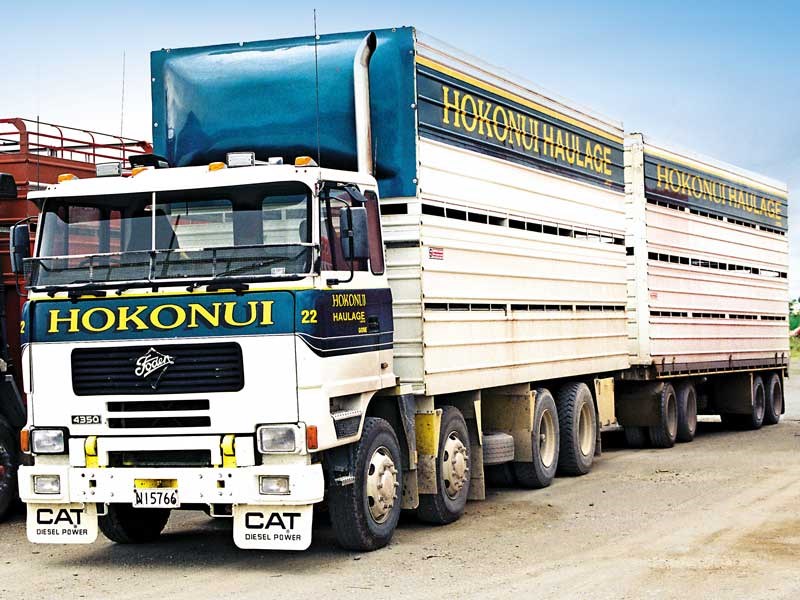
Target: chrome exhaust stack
[(361, 97)]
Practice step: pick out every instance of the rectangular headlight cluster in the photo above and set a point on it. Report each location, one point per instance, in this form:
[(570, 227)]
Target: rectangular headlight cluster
[(273, 484), (278, 438), (48, 441), (46, 484)]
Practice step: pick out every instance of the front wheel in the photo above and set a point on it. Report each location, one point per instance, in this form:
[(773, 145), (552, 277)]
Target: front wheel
[(452, 472), (545, 444), (125, 524), (364, 514)]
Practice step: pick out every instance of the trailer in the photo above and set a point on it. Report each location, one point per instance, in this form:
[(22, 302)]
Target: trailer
[(32, 155), (708, 260), (366, 270)]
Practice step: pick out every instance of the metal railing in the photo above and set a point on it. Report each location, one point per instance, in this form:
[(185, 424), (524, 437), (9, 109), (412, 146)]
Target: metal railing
[(25, 136)]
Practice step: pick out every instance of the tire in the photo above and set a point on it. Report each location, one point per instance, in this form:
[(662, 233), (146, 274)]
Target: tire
[(125, 524), (635, 437), (755, 419), (774, 400), (501, 476), (665, 433), (498, 448), (355, 525), (452, 472), (577, 426), (8, 470), (545, 444), (687, 412)]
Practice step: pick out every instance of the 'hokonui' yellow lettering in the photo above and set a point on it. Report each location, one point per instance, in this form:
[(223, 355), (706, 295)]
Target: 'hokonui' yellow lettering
[(230, 319), (469, 112), (125, 318), (179, 313), (448, 105), (266, 312), (71, 320), (108, 316), (211, 317)]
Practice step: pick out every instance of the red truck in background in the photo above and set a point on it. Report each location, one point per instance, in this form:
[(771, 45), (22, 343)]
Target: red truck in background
[(34, 154)]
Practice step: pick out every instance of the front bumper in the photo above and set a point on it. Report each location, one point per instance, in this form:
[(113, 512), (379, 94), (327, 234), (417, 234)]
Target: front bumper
[(204, 485)]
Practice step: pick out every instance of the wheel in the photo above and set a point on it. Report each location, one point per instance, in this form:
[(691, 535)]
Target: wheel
[(8, 469), (498, 448), (544, 441), (755, 419), (125, 524), (774, 402), (635, 437), (577, 426), (664, 434), (365, 514), (687, 412), (452, 471)]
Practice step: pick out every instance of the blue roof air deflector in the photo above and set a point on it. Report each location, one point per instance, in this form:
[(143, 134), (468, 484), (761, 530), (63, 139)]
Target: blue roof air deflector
[(261, 97)]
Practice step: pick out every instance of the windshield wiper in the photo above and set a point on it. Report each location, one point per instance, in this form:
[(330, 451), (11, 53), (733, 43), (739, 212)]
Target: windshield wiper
[(262, 263)]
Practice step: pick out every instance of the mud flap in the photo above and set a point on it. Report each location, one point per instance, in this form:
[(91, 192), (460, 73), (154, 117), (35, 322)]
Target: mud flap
[(272, 527), (62, 523)]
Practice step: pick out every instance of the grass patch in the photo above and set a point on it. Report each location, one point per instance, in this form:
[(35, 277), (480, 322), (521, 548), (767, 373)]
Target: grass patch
[(794, 348)]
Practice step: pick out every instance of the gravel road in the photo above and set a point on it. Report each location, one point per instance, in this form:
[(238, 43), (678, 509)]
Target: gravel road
[(717, 518)]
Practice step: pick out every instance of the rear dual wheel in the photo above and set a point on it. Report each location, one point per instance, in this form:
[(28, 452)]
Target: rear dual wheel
[(687, 411), (755, 419), (452, 472), (539, 473), (664, 433), (774, 399), (577, 425)]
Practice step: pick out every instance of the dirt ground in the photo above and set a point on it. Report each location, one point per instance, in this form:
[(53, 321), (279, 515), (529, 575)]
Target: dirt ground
[(717, 518)]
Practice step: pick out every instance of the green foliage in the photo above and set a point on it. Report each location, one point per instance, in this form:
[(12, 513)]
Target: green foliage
[(794, 348)]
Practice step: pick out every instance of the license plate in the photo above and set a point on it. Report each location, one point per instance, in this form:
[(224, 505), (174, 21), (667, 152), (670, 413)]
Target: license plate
[(272, 527), (155, 493)]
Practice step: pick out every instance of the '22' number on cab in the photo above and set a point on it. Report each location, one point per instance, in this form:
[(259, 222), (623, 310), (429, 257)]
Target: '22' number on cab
[(308, 316)]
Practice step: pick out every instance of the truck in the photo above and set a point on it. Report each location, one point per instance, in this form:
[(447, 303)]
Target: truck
[(368, 273), (32, 154)]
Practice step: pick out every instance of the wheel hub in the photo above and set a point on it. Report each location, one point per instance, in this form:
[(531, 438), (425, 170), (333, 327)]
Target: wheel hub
[(382, 484), (547, 439), (585, 432), (455, 465)]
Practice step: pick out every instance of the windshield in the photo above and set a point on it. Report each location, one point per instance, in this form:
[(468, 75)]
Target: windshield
[(253, 230)]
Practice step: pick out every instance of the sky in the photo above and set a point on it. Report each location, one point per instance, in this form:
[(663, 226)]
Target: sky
[(719, 78)]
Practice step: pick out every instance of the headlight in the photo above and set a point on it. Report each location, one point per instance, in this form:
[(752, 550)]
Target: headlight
[(48, 441), (278, 438), (273, 484), (46, 484)]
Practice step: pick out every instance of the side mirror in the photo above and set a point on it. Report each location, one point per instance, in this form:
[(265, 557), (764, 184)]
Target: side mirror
[(355, 234), (20, 242), (8, 187)]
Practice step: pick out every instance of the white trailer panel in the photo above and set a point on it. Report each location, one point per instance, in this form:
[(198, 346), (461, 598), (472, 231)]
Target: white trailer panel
[(503, 272), (708, 263)]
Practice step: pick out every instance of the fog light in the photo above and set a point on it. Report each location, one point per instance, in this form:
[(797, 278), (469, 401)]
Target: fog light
[(273, 484), (282, 438), (47, 484)]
